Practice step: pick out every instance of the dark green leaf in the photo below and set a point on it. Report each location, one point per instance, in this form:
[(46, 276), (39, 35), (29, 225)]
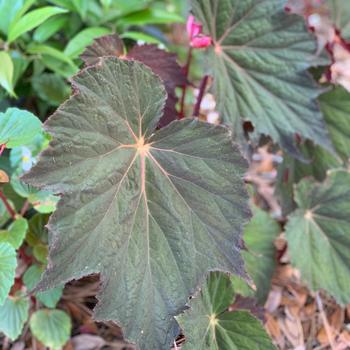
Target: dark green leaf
[(318, 234), (259, 57), (260, 259), (162, 207), (209, 326), (49, 28)]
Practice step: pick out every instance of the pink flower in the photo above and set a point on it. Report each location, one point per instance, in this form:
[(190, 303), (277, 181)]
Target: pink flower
[(193, 28), (200, 42), (194, 32)]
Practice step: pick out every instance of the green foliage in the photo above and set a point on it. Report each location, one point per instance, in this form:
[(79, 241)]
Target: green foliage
[(209, 324), (13, 315), (259, 236), (259, 55), (18, 127), (8, 265), (135, 202), (6, 72), (31, 278), (318, 234), (340, 12), (15, 234), (51, 327)]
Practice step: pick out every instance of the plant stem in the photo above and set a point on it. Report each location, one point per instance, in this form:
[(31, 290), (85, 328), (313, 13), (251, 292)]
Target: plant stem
[(7, 205), (2, 148), (202, 88), (184, 88), (24, 208)]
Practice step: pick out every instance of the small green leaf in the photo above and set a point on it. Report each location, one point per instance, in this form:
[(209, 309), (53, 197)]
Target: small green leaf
[(8, 264), (79, 42), (259, 59), (31, 278), (6, 72), (13, 315), (318, 234), (49, 28), (16, 233), (259, 236), (18, 127), (208, 325), (51, 327), (32, 20)]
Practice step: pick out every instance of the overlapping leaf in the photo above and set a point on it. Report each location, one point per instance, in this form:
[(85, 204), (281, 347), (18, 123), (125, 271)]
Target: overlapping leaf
[(318, 234), (208, 325), (335, 106), (161, 62), (151, 212), (259, 60)]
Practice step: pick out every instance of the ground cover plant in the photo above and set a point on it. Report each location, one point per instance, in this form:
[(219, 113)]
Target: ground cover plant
[(130, 133)]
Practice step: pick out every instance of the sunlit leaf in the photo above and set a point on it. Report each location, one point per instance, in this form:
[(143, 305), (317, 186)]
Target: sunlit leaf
[(8, 264), (31, 20), (15, 233), (6, 72)]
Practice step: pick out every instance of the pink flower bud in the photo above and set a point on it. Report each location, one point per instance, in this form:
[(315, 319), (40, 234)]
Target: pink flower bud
[(193, 28), (200, 42)]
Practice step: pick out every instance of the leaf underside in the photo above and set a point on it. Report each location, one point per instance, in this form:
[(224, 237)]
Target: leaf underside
[(209, 326), (151, 212), (318, 234), (259, 60)]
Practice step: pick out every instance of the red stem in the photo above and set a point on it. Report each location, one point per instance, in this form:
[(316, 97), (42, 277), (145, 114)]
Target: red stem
[(8, 206), (184, 88), (202, 88)]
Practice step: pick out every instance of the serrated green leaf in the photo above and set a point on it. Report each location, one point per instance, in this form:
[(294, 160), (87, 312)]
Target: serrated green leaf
[(340, 13), (8, 264), (318, 234), (51, 327), (335, 106), (18, 127), (260, 260), (6, 72), (31, 20), (259, 59), (163, 208), (209, 326), (79, 42), (31, 278), (13, 315), (15, 234)]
